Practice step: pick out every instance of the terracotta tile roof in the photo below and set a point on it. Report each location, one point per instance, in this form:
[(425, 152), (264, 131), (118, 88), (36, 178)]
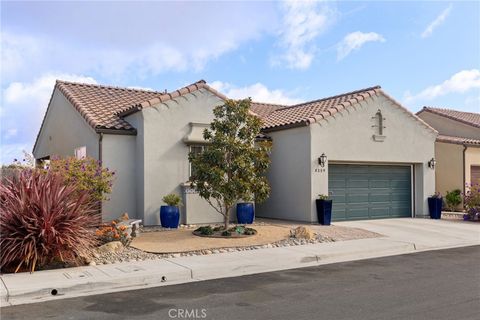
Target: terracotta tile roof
[(102, 105), (458, 140), (132, 108), (470, 118), (98, 104), (309, 112), (312, 111), (263, 110)]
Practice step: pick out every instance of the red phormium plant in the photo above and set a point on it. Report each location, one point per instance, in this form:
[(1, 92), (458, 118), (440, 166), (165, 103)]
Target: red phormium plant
[(43, 220)]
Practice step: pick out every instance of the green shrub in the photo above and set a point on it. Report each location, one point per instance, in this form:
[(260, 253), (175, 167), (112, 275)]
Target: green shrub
[(205, 230), (172, 199), (86, 174), (226, 233), (453, 198), (249, 231)]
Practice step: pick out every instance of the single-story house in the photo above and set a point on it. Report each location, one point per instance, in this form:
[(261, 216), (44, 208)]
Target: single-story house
[(363, 148), (457, 149)]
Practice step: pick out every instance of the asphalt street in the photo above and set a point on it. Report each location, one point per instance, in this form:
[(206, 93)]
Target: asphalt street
[(443, 284)]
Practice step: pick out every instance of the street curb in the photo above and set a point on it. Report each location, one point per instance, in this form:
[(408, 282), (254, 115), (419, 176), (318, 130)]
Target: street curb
[(27, 288)]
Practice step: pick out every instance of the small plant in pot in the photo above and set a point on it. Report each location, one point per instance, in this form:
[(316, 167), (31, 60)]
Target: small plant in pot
[(435, 202), (324, 209), (170, 214)]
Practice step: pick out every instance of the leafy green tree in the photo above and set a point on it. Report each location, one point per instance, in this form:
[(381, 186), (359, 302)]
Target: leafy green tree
[(233, 165)]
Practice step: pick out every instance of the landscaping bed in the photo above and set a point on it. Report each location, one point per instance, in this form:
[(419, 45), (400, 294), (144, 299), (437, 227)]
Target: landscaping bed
[(181, 242)]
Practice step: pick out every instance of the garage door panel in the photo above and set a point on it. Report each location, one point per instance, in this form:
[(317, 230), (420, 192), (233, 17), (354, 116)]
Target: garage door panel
[(357, 213), (380, 212), (379, 198), (400, 184), (373, 184), (356, 198), (357, 183), (370, 191)]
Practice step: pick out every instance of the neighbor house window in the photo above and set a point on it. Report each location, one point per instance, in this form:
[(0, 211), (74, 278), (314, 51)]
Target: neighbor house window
[(81, 152), (195, 149)]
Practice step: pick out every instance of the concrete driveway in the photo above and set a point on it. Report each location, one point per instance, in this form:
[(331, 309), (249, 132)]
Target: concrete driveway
[(424, 234)]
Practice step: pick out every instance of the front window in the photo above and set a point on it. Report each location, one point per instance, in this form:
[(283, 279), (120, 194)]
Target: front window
[(195, 149)]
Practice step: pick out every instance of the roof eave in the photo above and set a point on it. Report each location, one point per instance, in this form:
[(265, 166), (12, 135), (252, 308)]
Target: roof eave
[(302, 123), (125, 132)]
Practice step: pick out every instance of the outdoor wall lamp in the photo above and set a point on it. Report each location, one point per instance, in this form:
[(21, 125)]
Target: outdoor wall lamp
[(432, 163), (322, 160)]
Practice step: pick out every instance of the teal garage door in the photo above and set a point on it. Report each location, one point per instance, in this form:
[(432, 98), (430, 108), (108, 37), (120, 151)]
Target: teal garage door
[(370, 191)]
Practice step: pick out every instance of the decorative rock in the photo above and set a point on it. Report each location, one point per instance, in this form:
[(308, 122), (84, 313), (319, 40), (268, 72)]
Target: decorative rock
[(114, 246), (302, 233)]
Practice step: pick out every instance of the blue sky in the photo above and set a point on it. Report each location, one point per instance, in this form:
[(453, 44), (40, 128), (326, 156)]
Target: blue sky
[(421, 53)]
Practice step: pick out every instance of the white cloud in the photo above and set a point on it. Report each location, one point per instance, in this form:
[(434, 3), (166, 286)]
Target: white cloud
[(303, 22), (117, 50), (354, 41), (460, 82), (437, 22), (258, 92), (39, 90), (24, 104)]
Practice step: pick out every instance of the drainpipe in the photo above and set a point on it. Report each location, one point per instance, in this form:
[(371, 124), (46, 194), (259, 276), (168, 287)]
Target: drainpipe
[(100, 139)]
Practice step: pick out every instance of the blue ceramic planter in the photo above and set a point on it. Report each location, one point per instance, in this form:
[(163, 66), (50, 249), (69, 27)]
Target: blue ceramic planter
[(169, 216), (435, 207), (245, 213), (324, 211)]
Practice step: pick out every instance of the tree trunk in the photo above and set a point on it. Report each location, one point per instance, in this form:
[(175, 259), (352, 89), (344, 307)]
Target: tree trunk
[(226, 218)]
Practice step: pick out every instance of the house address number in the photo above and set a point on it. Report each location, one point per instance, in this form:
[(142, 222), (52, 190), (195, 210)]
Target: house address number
[(319, 170)]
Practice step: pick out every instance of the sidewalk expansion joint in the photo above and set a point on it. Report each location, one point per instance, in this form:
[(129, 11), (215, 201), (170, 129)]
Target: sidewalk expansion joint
[(189, 269)]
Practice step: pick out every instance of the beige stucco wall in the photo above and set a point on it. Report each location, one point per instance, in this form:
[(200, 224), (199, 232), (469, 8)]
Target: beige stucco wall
[(289, 176), (64, 129), (161, 154), (346, 137), (297, 179), (449, 168), (472, 158), (118, 154), (446, 126)]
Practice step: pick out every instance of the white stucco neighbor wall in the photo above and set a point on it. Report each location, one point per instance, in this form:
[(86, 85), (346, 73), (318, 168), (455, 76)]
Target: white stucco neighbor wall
[(118, 154), (346, 137), (64, 129), (289, 176), (161, 153)]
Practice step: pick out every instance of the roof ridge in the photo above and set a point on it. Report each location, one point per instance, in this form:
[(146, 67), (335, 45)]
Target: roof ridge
[(332, 97), (166, 96), (272, 104), (105, 86), (447, 109)]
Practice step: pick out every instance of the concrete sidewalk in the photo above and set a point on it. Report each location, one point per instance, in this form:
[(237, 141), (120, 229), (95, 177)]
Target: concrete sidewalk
[(401, 236)]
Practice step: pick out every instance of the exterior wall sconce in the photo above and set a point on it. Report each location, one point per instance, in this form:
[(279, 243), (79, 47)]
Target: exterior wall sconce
[(322, 160), (432, 163)]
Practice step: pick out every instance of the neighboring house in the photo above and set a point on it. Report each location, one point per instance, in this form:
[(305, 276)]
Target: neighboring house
[(362, 147), (457, 149)]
